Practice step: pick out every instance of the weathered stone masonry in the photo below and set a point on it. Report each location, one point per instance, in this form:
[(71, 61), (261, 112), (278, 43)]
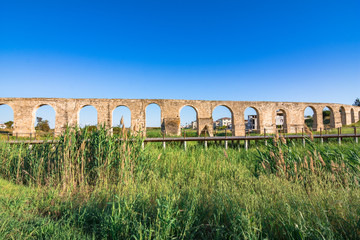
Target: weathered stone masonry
[(67, 113)]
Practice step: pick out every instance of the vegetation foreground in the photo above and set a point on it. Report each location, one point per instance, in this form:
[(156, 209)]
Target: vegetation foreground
[(91, 186)]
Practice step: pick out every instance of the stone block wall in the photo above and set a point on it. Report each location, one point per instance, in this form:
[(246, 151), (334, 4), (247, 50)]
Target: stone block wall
[(67, 113)]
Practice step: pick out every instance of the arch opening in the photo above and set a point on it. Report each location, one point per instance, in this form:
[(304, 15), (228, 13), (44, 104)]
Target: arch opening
[(6, 118), (153, 120), (44, 121), (352, 116), (88, 118), (281, 121), (222, 120), (343, 115), (121, 117), (310, 118), (328, 118), (251, 120), (189, 120)]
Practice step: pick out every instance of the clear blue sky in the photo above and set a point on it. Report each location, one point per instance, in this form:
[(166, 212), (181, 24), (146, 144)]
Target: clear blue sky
[(216, 50)]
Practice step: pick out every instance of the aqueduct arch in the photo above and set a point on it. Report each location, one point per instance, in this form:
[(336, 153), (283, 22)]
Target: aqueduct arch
[(352, 117), (86, 108), (254, 122), (331, 118), (36, 108), (314, 117), (281, 119), (228, 108), (123, 109), (342, 112), (6, 113), (196, 116), (66, 111)]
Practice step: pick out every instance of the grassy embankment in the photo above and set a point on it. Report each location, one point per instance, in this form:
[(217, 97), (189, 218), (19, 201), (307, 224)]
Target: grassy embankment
[(156, 132), (105, 189), (347, 129), (39, 135)]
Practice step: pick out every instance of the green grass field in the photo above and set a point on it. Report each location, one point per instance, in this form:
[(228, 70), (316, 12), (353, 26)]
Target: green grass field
[(100, 189)]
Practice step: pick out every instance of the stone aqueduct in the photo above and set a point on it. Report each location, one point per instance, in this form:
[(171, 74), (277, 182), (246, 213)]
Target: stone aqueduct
[(67, 113)]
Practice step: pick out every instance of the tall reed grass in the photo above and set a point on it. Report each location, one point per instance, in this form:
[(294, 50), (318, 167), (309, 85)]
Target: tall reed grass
[(112, 189)]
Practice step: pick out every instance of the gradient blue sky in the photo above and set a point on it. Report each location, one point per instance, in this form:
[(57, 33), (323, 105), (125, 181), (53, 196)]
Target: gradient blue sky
[(216, 50)]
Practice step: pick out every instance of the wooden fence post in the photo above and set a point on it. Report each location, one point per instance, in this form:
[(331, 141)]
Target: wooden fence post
[(321, 138), (184, 141), (246, 143), (205, 142), (226, 142), (164, 143), (265, 136), (303, 138), (356, 138)]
